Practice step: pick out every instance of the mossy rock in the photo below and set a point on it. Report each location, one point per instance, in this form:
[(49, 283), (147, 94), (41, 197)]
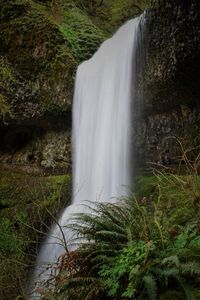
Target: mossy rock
[(35, 37), (42, 43), (7, 81), (7, 76), (82, 35), (5, 109)]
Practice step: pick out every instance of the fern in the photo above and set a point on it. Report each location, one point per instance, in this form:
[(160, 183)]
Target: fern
[(133, 250), (170, 261), (151, 286), (190, 268)]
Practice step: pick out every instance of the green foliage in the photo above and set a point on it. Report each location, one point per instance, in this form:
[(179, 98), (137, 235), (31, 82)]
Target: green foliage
[(145, 186), (27, 204), (139, 248), (127, 264), (9, 241)]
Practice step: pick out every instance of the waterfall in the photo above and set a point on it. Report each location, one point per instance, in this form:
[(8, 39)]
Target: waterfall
[(102, 117)]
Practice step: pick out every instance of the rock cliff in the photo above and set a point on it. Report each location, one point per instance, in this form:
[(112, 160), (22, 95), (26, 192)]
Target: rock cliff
[(171, 83), (42, 42)]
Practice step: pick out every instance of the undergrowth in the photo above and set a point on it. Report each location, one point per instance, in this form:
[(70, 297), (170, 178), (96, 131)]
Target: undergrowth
[(27, 204), (145, 246)]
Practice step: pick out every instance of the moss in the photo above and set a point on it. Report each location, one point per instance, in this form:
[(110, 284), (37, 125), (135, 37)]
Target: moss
[(5, 109), (34, 37), (26, 203), (7, 81), (58, 80), (113, 13), (44, 41), (123, 10), (82, 35), (7, 76), (52, 37)]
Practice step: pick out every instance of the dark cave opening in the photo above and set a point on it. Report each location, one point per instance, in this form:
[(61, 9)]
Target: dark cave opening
[(15, 138)]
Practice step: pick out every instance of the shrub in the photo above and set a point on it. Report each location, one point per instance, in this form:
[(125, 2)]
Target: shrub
[(135, 249)]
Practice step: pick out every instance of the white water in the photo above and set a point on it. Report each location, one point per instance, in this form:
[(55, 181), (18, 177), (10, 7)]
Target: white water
[(102, 110)]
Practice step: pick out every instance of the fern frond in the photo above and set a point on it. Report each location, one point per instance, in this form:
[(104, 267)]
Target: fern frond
[(150, 286), (192, 268), (171, 272), (171, 260)]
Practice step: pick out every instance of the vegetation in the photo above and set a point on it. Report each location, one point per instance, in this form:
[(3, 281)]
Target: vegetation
[(27, 204), (145, 246)]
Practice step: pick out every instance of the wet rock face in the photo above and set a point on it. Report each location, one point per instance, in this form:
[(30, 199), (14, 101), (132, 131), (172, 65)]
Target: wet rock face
[(175, 39), (171, 82), (159, 135), (48, 150)]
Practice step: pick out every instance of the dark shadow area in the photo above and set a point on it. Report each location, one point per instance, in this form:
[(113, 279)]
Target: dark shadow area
[(14, 138)]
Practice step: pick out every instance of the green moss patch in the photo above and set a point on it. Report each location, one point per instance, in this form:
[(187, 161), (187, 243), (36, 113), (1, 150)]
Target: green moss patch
[(7, 81), (82, 35)]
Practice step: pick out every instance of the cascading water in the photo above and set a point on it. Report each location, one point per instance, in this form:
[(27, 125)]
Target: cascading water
[(102, 110)]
